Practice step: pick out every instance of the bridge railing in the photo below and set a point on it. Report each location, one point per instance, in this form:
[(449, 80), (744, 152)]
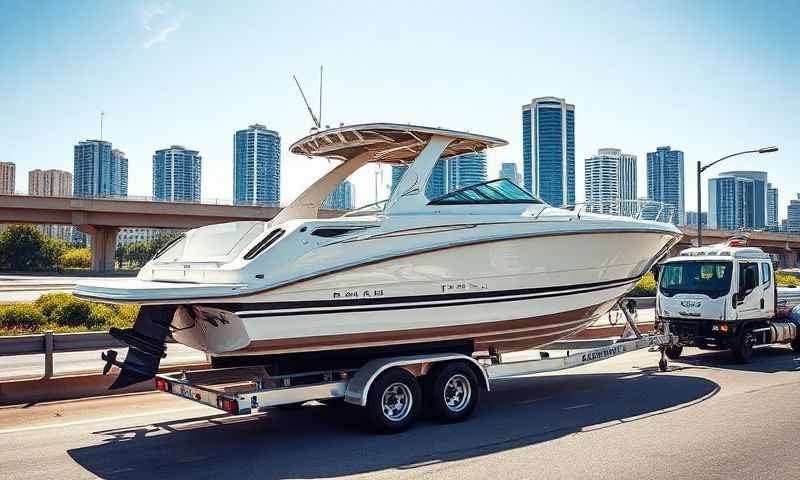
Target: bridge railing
[(146, 198)]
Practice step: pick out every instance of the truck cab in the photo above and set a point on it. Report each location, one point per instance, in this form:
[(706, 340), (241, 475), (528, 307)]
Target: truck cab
[(721, 297)]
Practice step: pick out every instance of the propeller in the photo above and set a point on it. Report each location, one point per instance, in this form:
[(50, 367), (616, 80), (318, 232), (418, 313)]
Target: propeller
[(110, 357)]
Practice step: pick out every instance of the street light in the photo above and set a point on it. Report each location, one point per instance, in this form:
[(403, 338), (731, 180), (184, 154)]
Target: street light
[(701, 169)]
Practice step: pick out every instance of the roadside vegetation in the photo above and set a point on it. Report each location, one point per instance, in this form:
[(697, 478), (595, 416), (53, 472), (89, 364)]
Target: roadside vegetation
[(63, 313), (23, 248)]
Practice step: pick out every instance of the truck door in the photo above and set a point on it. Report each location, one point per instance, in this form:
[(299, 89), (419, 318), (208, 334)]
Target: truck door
[(767, 291), (750, 292)]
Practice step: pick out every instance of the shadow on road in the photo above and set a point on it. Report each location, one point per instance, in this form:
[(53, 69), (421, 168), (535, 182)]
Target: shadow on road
[(320, 441), (771, 359)]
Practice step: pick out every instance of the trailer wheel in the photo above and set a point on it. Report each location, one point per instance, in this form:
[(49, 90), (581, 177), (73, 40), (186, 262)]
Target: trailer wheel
[(393, 401), (454, 392), (743, 346), (674, 351)]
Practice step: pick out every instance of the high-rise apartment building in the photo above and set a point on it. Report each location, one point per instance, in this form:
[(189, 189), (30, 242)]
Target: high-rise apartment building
[(465, 170), (342, 197), (760, 194), (793, 216), (773, 220), (691, 218), (8, 172), (738, 200), (511, 172), (177, 174), (665, 180), (610, 182), (257, 165), (99, 170), (548, 149), (52, 183), (437, 182)]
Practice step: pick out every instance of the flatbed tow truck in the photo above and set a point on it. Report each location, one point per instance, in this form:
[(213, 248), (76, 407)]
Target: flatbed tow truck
[(392, 389), (724, 296)]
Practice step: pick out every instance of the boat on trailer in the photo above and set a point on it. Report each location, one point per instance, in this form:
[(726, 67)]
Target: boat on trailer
[(483, 270)]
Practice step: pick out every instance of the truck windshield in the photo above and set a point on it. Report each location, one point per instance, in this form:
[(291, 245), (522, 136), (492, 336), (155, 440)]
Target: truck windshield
[(709, 278)]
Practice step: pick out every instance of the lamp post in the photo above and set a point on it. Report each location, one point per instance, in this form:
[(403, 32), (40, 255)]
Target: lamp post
[(701, 169)]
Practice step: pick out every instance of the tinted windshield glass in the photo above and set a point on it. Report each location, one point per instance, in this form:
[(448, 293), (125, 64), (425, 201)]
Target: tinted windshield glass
[(501, 190), (710, 278)]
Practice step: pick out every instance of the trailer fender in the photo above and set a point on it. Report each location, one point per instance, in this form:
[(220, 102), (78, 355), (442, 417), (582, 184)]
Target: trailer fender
[(358, 386)]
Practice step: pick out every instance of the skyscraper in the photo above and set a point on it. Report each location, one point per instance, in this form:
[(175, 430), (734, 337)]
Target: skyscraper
[(691, 218), (759, 208), (256, 165), (397, 174), (548, 149), (665, 180), (730, 203), (99, 170), (793, 215), (8, 172), (610, 185), (342, 197), (176, 174), (510, 171), (51, 183), (772, 208), (465, 170)]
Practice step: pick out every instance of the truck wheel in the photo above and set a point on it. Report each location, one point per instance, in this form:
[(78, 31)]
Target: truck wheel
[(743, 346), (673, 352), (454, 392), (393, 401), (796, 345)]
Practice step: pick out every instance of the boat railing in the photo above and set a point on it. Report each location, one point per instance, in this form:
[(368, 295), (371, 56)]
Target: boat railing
[(638, 209)]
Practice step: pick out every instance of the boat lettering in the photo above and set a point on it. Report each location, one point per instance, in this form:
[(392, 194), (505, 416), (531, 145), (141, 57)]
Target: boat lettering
[(608, 352), (358, 293), (463, 286)]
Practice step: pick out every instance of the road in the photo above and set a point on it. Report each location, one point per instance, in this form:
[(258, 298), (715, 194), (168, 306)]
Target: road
[(27, 288), (621, 418)]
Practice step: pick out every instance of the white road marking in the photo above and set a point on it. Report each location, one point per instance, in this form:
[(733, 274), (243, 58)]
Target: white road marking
[(101, 419)]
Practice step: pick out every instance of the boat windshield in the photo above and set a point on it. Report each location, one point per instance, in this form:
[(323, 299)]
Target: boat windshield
[(501, 190), (368, 210), (709, 278)]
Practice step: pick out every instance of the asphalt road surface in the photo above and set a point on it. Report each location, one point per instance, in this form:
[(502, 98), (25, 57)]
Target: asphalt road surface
[(622, 419), (27, 288)]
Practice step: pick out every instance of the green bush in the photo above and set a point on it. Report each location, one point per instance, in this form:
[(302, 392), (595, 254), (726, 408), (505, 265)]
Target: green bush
[(21, 316), (77, 258), (786, 280), (74, 313), (49, 302), (99, 315), (646, 286)]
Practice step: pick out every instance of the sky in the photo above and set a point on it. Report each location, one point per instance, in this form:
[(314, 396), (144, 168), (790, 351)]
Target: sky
[(709, 78)]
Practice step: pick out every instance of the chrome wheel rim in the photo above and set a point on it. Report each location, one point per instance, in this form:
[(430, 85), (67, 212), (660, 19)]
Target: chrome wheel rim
[(396, 401), (457, 393)]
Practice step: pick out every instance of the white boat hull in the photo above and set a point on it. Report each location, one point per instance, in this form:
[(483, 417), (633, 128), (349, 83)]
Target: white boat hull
[(502, 295)]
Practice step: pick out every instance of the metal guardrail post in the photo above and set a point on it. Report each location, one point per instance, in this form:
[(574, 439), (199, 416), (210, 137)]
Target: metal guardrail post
[(48, 354)]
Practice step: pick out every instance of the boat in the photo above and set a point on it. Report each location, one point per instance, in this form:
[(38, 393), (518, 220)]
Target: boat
[(485, 269)]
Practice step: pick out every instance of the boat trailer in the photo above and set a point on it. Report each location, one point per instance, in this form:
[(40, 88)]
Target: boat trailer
[(248, 389)]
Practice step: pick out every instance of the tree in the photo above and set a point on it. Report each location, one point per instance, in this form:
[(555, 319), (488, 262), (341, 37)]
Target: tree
[(25, 248)]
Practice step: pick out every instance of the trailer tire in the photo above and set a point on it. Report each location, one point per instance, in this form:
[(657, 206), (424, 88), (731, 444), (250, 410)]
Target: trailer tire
[(673, 352), (743, 345), (393, 401), (453, 393)]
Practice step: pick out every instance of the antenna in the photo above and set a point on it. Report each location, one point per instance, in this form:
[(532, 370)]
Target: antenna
[(320, 95), (310, 112), (102, 114)]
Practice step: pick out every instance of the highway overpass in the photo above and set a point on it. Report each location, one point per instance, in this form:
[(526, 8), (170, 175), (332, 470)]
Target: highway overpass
[(784, 245), (102, 218)]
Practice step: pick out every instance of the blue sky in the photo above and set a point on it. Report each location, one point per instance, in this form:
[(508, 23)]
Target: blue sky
[(709, 78)]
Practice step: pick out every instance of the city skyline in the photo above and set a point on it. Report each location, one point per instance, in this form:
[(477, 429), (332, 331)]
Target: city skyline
[(717, 114)]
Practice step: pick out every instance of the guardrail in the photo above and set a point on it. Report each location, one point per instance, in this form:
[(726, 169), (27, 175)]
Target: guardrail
[(49, 343)]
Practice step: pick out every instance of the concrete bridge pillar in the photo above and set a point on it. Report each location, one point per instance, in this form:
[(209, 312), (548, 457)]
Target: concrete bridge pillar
[(790, 257), (103, 241)]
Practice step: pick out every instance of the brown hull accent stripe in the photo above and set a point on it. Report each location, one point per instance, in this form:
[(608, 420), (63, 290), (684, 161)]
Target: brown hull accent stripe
[(278, 309), (556, 325)]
